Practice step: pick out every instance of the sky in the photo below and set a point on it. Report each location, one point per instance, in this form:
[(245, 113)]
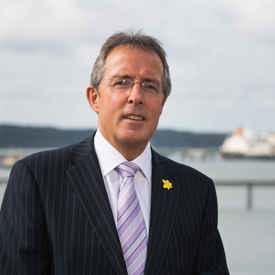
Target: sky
[(221, 56)]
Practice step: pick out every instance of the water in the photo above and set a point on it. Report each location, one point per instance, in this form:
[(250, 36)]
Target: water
[(223, 169), (236, 169), (249, 241)]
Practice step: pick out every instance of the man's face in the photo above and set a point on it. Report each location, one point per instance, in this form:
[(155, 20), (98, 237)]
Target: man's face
[(130, 97)]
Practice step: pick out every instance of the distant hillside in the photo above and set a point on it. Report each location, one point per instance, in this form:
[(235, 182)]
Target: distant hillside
[(172, 138), (21, 136)]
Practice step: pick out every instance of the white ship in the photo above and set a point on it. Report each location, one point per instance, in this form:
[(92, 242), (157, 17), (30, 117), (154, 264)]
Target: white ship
[(244, 143)]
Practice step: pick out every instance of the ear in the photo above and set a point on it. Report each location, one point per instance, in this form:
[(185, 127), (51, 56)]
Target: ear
[(93, 98)]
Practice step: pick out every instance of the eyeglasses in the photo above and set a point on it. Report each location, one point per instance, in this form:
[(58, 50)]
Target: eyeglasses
[(127, 83)]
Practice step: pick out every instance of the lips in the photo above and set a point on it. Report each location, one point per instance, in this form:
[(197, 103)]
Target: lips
[(134, 117)]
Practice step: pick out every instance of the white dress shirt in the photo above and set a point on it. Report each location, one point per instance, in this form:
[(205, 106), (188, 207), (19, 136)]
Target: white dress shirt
[(109, 158)]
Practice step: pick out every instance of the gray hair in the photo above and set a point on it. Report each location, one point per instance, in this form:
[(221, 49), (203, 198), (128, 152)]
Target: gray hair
[(138, 40)]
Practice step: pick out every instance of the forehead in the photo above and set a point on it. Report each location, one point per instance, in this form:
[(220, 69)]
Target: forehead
[(133, 61)]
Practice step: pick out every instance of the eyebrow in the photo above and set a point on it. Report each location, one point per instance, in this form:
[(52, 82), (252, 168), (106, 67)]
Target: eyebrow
[(120, 76)]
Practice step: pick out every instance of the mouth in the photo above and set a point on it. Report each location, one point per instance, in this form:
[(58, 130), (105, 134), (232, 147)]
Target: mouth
[(134, 117)]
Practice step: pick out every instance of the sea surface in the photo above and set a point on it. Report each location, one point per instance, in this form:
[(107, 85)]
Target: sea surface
[(248, 236)]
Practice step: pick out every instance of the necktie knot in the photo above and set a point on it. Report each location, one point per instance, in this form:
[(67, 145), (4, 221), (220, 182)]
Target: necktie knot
[(127, 169)]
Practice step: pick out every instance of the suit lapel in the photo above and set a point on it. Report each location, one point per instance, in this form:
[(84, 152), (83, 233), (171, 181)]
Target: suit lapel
[(163, 202), (88, 183)]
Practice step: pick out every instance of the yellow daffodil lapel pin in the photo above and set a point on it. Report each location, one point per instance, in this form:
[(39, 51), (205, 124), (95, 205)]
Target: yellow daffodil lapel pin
[(167, 184)]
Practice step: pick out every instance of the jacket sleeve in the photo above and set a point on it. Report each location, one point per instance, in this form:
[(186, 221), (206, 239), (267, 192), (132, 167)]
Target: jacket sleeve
[(24, 244), (211, 256)]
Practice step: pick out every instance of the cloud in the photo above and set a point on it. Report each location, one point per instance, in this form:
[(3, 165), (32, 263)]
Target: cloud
[(254, 15), (45, 19)]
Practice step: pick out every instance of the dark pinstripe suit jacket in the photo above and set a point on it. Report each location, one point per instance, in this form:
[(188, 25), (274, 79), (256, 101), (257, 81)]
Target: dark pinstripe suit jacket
[(56, 219)]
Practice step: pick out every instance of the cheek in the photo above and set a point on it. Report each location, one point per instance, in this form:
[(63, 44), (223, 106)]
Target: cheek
[(111, 112), (115, 103), (156, 110), (109, 104), (117, 96)]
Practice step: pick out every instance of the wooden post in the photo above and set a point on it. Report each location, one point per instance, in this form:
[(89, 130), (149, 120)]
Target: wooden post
[(249, 204)]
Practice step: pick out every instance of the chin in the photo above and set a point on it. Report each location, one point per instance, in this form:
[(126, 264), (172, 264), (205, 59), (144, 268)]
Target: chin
[(133, 139)]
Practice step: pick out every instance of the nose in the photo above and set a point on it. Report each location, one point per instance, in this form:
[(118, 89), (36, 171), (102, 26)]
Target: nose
[(136, 94)]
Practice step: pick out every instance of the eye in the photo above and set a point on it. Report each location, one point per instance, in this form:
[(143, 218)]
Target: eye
[(122, 82), (150, 86)]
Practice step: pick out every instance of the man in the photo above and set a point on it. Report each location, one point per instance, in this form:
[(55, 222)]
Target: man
[(111, 204)]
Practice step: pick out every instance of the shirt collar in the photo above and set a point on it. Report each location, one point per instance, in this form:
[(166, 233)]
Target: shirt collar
[(109, 157)]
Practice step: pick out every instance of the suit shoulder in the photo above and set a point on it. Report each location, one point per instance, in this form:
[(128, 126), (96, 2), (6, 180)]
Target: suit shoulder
[(55, 157), (184, 170), (45, 156)]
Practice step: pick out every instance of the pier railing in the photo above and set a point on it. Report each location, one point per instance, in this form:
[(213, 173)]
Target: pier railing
[(249, 185)]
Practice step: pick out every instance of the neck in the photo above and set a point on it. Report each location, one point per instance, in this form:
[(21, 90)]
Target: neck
[(130, 150)]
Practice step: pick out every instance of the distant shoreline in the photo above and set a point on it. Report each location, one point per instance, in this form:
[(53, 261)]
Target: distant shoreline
[(15, 136)]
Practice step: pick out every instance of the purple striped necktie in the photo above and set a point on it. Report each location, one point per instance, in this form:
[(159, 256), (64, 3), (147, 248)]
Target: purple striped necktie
[(130, 221)]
